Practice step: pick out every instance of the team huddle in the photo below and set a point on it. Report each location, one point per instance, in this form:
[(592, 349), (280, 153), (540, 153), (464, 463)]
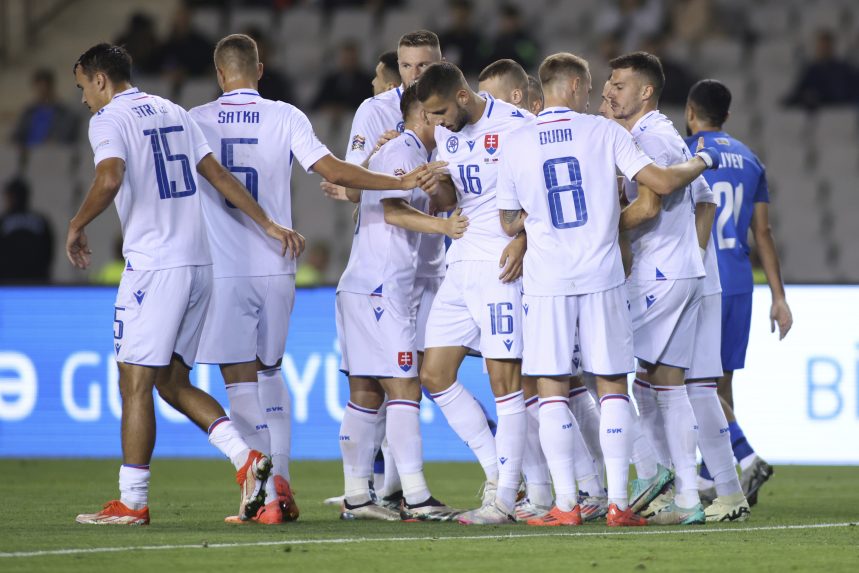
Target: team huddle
[(582, 248)]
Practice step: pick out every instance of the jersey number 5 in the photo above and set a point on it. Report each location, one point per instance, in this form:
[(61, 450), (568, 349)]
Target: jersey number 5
[(161, 153), (565, 195), (228, 161)]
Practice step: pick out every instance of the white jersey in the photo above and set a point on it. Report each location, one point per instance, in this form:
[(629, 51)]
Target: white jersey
[(474, 156), (431, 248), (374, 116), (701, 193), (383, 260), (666, 247), (564, 178), (158, 203), (256, 139)]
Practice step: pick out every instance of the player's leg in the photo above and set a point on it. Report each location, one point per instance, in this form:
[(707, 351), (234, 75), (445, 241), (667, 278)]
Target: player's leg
[(538, 485)]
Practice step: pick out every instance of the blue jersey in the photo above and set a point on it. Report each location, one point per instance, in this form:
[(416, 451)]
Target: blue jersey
[(737, 185)]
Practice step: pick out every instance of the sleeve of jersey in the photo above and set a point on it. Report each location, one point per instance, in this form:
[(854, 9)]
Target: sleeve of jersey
[(701, 191), (505, 190), (396, 164), (366, 129), (105, 137), (762, 193), (305, 145), (628, 157), (198, 140)]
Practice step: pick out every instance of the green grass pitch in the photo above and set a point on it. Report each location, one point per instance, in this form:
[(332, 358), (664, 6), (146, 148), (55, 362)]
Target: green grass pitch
[(803, 522)]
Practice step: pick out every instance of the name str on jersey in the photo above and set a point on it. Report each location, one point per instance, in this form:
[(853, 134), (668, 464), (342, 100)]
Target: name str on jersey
[(252, 137), (384, 257), (564, 178), (158, 204), (474, 156), (738, 183), (666, 247)]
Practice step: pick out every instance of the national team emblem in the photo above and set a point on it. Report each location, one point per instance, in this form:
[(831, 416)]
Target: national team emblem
[(399, 172), (401, 127), (722, 141), (358, 143), (404, 359), (452, 144), (490, 142)]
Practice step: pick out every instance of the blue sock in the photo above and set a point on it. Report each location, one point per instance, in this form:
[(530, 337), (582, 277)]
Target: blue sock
[(704, 472), (379, 463), (739, 444)]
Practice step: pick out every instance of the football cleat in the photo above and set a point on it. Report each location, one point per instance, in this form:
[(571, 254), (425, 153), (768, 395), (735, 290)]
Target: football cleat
[(429, 510), (393, 501), (706, 491), (673, 514), (659, 503), (490, 514), (526, 510), (593, 507), (754, 477), (286, 499), (615, 517), (487, 492), (116, 513), (557, 517), (336, 500), (728, 508), (369, 511), (251, 478), (645, 490)]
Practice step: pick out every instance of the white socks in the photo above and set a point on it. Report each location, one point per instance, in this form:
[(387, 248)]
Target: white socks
[(224, 436), (714, 439), (643, 456), (247, 415), (615, 421), (557, 429), (404, 439), (276, 405), (681, 433), (466, 418), (651, 420), (587, 415), (134, 485), (356, 446), (538, 485), (510, 443)]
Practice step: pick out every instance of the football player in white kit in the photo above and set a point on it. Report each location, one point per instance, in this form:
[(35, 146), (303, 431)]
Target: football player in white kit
[(664, 282), (148, 152), (562, 191), (535, 95), (376, 314), (475, 308), (253, 293)]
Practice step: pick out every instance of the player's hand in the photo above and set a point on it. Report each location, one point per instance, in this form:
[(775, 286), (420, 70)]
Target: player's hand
[(77, 248), (332, 191), (780, 314), (289, 240), (455, 225), (511, 259), (427, 174), (385, 138), (709, 155)]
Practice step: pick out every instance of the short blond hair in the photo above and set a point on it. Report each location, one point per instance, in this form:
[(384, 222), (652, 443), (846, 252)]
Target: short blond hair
[(563, 64), (237, 51)]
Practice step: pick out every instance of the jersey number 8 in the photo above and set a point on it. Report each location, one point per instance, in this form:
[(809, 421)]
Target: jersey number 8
[(557, 193)]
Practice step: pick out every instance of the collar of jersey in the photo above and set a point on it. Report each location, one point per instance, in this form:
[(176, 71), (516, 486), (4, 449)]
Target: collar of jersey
[(645, 118), (414, 136), (554, 109), (241, 91), (705, 133), (128, 92), (490, 103)]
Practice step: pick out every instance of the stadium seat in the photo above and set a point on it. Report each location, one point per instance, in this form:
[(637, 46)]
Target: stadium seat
[(261, 18), (771, 19), (395, 24), (208, 21), (719, 54), (350, 24), (300, 25)]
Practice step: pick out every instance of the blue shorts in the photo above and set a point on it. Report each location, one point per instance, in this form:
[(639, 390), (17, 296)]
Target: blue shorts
[(736, 324)]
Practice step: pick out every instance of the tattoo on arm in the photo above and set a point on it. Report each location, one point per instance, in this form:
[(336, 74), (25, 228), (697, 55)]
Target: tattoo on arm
[(510, 216)]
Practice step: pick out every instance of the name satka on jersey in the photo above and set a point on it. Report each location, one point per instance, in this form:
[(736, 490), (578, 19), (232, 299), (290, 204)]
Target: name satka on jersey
[(384, 257), (158, 204), (255, 139), (474, 156), (666, 247), (564, 178)]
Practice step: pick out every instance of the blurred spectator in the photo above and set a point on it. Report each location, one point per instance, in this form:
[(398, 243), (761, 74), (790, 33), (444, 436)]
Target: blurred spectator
[(45, 120), (273, 84), (630, 20), (827, 80), (461, 42), (111, 272), (141, 41), (344, 88), (692, 21), (186, 52), (26, 238), (311, 271), (512, 41), (679, 79)]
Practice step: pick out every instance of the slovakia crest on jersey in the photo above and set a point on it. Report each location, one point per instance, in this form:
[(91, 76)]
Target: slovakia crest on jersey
[(490, 142), (452, 144), (404, 359)]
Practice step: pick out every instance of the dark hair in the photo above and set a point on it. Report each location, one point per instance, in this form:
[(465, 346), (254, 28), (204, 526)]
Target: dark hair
[(419, 38), (409, 100), (562, 64), (44, 75), (645, 64), (240, 50), (112, 61), (390, 65), (19, 189), (711, 100), (440, 78), (535, 89), (510, 70)]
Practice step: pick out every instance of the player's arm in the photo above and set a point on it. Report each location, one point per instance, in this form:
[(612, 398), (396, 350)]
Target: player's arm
[(238, 195), (512, 221), (512, 258), (664, 180), (399, 213), (762, 232), (439, 186), (340, 172), (645, 207), (705, 214), (105, 185)]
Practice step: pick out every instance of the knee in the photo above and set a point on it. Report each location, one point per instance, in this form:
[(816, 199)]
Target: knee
[(434, 380)]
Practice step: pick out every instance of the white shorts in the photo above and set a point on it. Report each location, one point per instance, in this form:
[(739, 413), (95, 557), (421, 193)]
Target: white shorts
[(161, 313), (707, 350), (473, 308), (604, 334), (248, 319), (425, 290), (377, 336), (664, 315)]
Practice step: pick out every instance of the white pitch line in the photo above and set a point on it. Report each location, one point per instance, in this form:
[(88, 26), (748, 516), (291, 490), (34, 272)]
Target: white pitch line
[(343, 540)]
